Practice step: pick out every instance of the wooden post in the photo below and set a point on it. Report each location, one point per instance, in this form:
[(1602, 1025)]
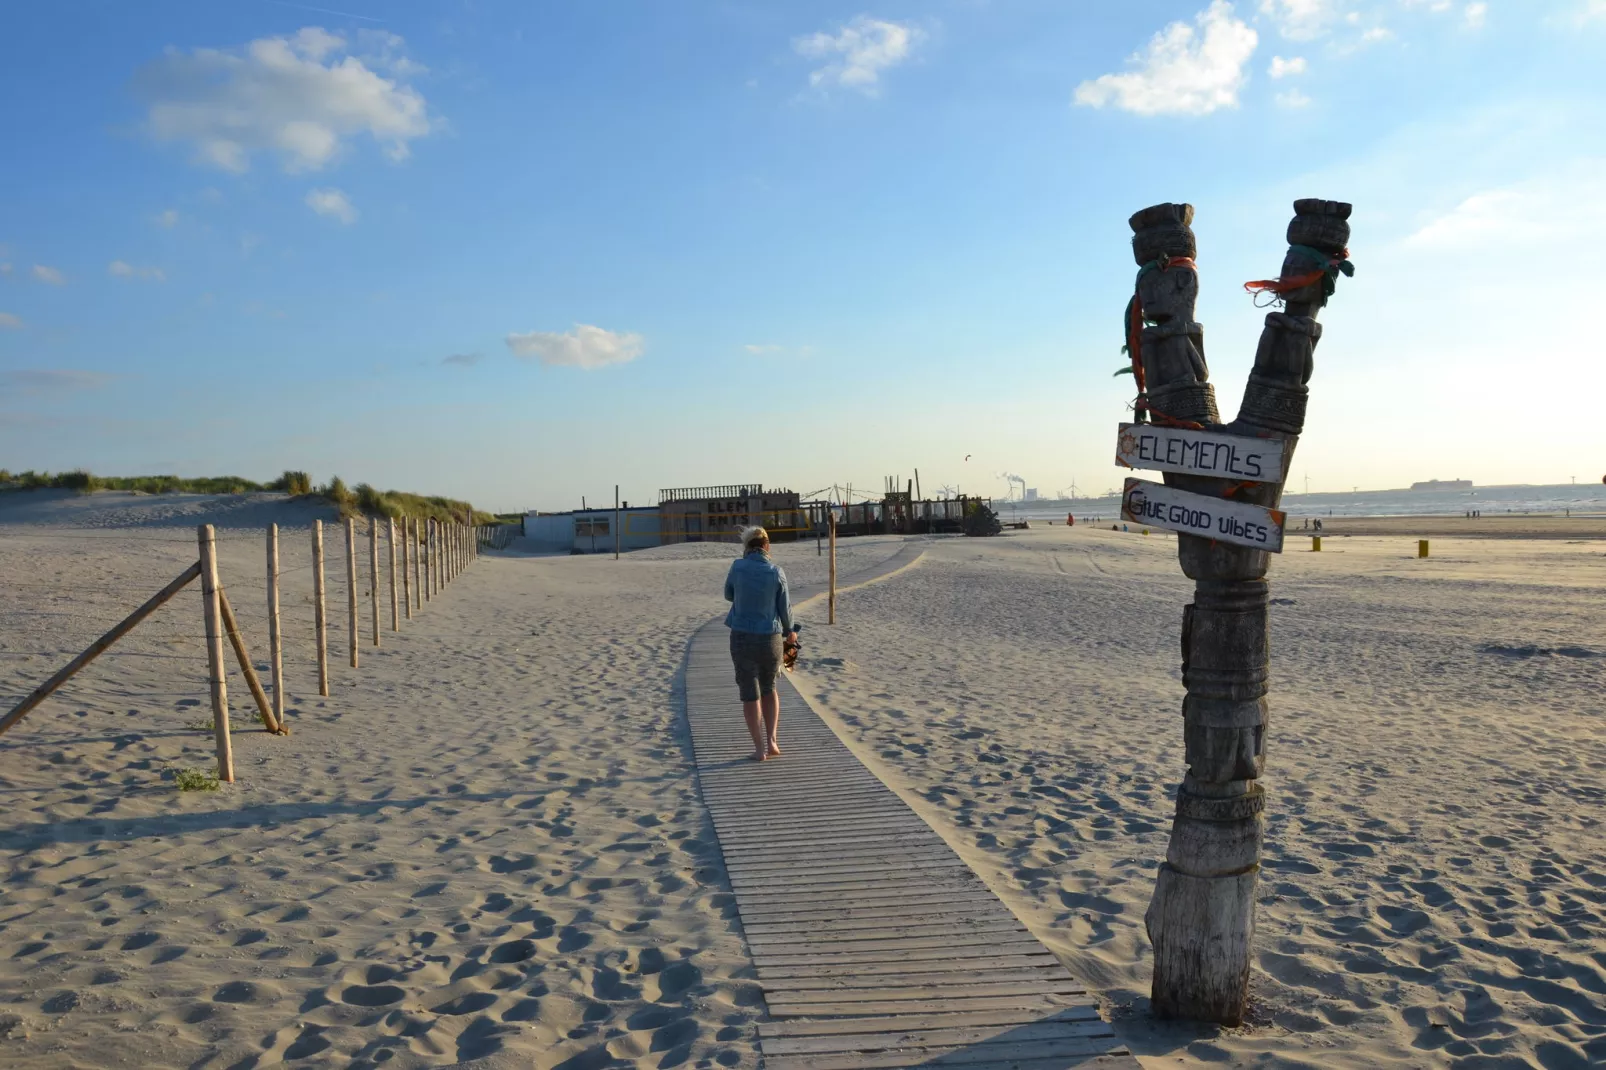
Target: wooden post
[(98, 647), (426, 558), (407, 576), (320, 616), (395, 607), (275, 636), (418, 567), (616, 533), (206, 536), (373, 574), (831, 600), (351, 586), (231, 627), (1201, 919)]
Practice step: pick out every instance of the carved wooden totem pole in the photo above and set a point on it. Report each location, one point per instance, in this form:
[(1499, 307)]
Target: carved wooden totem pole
[(1221, 491)]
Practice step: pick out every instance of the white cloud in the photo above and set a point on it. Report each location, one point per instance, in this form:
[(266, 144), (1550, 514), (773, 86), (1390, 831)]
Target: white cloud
[(1476, 14), (1184, 71), (1282, 68), (49, 275), (584, 347), (10, 321), (332, 202), (168, 218), (280, 95), (1499, 217), (1299, 20), (1375, 34), (124, 270), (763, 347), (1292, 99), (858, 53)]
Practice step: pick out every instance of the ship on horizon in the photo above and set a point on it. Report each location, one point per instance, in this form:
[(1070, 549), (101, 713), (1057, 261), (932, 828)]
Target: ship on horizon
[(1443, 484)]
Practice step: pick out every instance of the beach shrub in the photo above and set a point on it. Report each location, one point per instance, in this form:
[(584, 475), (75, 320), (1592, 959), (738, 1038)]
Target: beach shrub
[(980, 521), (293, 483), (194, 780)]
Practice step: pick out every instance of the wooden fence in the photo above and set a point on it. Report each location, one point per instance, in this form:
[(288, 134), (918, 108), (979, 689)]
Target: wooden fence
[(420, 558)]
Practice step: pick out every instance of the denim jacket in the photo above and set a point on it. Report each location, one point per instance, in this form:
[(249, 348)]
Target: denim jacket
[(756, 590)]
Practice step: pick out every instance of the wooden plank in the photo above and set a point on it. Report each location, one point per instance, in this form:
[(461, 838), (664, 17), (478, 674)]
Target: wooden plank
[(1070, 1054), (884, 971), (843, 928), (1203, 453), (236, 640), (901, 1022), (939, 858), (1222, 519), (855, 917), (99, 647), (890, 941), (850, 986), (1052, 1029), (899, 906)]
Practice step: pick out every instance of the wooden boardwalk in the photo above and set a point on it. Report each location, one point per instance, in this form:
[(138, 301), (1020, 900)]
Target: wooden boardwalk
[(876, 946)]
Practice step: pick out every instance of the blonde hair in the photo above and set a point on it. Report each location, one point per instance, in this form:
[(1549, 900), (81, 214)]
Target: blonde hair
[(754, 538)]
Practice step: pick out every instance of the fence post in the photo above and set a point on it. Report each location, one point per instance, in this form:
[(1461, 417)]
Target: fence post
[(373, 574), (418, 568), (351, 585), (831, 600), (407, 576), (275, 638), (395, 608), (320, 617), (207, 538)]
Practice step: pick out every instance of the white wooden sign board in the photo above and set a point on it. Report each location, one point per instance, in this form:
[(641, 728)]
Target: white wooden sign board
[(1199, 453), (1240, 523)]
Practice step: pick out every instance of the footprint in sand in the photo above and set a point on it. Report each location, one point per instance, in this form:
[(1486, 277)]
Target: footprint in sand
[(372, 995)]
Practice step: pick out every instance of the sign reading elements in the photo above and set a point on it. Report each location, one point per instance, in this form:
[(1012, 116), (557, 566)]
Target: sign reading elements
[(1200, 453), (1240, 523)]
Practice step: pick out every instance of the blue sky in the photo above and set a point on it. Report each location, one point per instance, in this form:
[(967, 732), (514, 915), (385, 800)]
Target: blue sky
[(520, 253)]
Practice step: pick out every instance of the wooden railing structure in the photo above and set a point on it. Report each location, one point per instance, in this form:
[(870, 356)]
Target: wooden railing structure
[(421, 558)]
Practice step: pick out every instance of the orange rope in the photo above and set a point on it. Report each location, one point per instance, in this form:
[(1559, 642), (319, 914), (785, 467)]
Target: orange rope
[(1284, 285)]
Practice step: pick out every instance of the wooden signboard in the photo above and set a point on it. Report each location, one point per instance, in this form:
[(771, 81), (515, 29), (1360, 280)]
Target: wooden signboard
[(1240, 523), (1200, 453)]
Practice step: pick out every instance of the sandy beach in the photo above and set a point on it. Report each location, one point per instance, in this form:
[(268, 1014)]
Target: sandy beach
[(487, 847)]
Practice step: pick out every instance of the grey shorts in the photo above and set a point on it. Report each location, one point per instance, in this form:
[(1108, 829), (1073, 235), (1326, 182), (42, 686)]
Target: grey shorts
[(757, 659)]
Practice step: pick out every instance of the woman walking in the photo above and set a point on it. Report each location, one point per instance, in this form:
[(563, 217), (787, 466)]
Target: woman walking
[(760, 615)]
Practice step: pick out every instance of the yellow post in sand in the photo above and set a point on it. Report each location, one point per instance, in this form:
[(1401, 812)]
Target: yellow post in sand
[(1421, 548), (1315, 544)]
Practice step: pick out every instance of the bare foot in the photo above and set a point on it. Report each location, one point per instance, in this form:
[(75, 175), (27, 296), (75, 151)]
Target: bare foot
[(758, 756), (775, 749)]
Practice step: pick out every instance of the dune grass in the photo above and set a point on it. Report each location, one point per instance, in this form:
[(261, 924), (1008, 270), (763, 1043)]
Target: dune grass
[(363, 500)]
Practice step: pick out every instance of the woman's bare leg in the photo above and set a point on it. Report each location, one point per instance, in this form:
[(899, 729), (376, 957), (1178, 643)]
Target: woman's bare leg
[(772, 721), (755, 728)]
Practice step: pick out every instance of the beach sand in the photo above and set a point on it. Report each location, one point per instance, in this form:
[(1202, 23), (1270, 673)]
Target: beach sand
[(1435, 861), (487, 848)]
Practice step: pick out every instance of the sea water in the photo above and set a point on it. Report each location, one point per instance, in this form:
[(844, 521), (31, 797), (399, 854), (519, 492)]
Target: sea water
[(1583, 499)]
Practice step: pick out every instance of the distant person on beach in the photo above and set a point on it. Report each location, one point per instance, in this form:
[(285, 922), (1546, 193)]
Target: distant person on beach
[(759, 618)]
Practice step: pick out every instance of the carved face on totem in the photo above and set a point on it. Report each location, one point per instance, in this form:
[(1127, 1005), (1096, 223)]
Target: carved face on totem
[(1169, 295)]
